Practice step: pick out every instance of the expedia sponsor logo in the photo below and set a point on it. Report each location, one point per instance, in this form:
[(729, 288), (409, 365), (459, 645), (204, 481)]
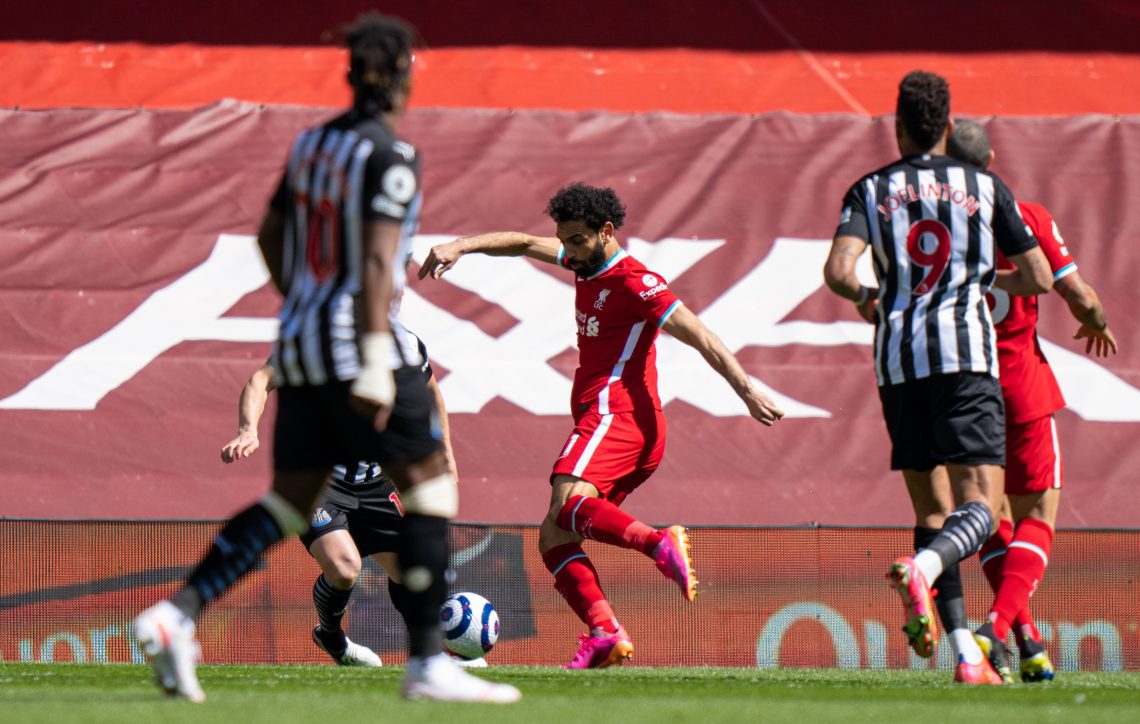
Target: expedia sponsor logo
[(650, 293)]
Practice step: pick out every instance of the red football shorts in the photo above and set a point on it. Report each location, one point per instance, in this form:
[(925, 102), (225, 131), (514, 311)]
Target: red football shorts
[(1032, 457), (615, 452)]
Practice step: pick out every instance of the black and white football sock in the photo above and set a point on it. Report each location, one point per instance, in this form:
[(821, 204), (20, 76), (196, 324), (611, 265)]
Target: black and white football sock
[(233, 554)]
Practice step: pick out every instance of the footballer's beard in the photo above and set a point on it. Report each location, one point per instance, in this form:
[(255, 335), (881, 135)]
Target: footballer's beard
[(593, 263)]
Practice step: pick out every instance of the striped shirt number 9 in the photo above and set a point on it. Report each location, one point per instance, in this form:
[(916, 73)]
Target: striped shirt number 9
[(924, 234)]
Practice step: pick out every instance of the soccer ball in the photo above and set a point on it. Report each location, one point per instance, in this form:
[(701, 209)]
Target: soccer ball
[(470, 625)]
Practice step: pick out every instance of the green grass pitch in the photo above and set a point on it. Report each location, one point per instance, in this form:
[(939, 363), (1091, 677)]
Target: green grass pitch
[(281, 694)]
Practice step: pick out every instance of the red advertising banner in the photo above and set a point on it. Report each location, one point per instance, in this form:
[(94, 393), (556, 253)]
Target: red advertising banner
[(133, 305), (812, 597)]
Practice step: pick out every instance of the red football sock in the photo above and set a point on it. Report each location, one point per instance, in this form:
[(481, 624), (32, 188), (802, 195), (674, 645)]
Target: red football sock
[(993, 553), (1026, 627), (577, 580), (1025, 562), (601, 520)]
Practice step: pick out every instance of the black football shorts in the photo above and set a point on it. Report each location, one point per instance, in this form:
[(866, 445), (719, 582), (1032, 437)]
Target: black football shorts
[(370, 512), (954, 418), (317, 426)]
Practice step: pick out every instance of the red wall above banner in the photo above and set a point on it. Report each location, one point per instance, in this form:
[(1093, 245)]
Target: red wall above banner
[(683, 80)]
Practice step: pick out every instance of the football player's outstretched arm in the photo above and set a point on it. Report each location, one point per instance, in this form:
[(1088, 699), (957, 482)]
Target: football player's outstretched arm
[(688, 328), (251, 405), (496, 243), (1084, 305)]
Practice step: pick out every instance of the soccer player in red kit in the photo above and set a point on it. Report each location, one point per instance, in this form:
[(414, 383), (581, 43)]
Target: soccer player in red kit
[(619, 430), (1014, 558)]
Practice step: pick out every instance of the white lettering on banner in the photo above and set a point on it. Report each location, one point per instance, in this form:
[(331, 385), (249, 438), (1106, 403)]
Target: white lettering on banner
[(514, 366), (842, 637), (187, 309), (78, 647), (1071, 638), (1112, 655), (849, 654)]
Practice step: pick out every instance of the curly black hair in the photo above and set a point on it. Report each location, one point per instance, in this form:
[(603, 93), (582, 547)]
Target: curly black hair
[(591, 204), (969, 142), (924, 106), (380, 59)]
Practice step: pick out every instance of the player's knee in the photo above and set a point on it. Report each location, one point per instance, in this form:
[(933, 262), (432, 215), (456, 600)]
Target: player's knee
[(342, 569), (437, 497), (551, 536)]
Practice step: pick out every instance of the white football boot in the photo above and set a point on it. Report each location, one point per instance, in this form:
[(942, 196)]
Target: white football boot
[(354, 654), (479, 663), (439, 678), (166, 636)]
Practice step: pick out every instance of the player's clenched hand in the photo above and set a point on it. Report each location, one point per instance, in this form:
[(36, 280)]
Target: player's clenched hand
[(440, 258), (240, 447), (762, 407), (1102, 338), (868, 309)]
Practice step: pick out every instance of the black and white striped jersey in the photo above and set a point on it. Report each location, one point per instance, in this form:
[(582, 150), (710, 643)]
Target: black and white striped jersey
[(934, 225), (363, 473), (340, 176)]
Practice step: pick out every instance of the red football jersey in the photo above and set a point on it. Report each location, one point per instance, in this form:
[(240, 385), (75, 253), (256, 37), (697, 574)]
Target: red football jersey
[(618, 311), (1027, 381)]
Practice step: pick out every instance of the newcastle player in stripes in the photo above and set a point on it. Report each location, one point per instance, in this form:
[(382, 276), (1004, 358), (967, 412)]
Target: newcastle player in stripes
[(1014, 559), (334, 237), (935, 226), (618, 438), (359, 515)]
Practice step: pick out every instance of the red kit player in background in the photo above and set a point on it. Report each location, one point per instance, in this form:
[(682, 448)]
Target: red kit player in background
[(1014, 559), (619, 430)]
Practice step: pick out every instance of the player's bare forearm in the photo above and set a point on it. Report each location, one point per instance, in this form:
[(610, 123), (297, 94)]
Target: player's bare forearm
[(251, 406), (1092, 317), (1032, 276), (1015, 282), (496, 243), (1082, 300), (444, 428), (687, 327), (271, 240), (1084, 304), (839, 269), (839, 274)]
